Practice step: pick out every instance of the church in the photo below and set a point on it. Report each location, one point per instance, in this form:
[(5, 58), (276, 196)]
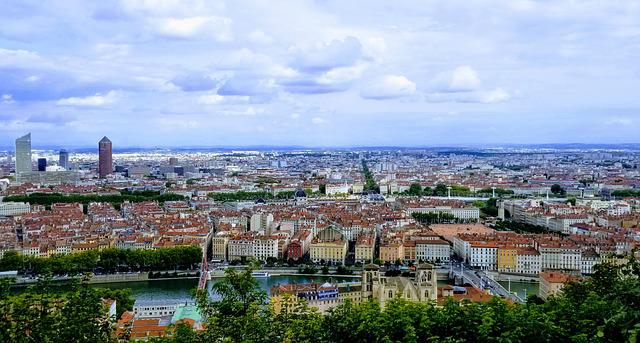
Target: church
[(422, 287)]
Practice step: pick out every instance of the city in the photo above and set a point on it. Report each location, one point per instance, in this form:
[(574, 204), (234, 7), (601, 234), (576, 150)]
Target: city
[(355, 225), (319, 171)]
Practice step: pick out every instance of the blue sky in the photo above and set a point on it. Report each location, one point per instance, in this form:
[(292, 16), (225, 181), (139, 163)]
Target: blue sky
[(319, 73)]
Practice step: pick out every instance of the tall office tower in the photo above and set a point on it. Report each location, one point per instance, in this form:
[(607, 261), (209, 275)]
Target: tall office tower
[(173, 161), (42, 164), (105, 162), (64, 159), (23, 154)]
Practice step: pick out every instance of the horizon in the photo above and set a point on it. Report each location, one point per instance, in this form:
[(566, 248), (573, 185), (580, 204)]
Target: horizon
[(335, 74)]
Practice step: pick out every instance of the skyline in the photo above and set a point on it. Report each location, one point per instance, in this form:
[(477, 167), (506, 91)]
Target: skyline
[(248, 73)]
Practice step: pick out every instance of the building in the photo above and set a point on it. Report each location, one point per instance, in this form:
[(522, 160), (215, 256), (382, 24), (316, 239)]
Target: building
[(23, 154), (299, 245), (105, 159), (433, 250), (321, 297), (219, 246), (528, 261), (507, 259), (551, 283), (261, 222), (328, 251), (364, 248), (422, 287), (13, 208), (63, 159), (42, 164), (265, 247)]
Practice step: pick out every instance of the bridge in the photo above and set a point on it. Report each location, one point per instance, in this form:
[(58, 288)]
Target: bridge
[(481, 281), (204, 266)]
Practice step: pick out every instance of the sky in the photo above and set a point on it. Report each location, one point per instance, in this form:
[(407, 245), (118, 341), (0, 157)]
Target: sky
[(318, 73)]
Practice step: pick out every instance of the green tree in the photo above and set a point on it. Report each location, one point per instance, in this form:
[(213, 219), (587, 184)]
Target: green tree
[(557, 189)]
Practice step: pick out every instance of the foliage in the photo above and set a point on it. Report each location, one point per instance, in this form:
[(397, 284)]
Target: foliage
[(370, 184), (240, 196), (434, 217), (519, 227), (557, 189), (42, 315), (106, 261), (136, 196), (604, 308), (625, 193)]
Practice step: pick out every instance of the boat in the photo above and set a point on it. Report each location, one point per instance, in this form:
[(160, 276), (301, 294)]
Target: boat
[(260, 274)]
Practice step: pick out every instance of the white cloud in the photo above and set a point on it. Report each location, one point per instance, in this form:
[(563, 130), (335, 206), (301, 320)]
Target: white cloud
[(295, 115), (495, 96), (258, 36), (464, 78), (109, 51), (216, 99), (317, 120), (342, 75), (388, 87), (325, 56), (97, 100), (214, 26), (7, 99)]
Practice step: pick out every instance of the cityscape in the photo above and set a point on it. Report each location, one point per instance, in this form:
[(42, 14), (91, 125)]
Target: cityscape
[(319, 171)]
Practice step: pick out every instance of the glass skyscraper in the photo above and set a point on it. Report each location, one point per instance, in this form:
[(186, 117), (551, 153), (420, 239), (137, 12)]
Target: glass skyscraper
[(64, 159), (23, 154)]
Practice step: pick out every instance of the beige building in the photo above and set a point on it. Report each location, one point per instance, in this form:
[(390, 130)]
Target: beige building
[(364, 248), (422, 287), (328, 251), (219, 246), (551, 283)]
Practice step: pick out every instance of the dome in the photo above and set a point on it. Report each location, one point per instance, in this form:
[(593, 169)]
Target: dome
[(260, 201), (300, 193), (371, 266)]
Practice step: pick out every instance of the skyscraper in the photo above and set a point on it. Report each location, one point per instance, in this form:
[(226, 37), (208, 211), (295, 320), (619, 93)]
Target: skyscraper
[(64, 159), (42, 164), (23, 154), (105, 162)]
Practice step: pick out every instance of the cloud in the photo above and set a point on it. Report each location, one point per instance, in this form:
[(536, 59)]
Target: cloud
[(210, 26), (110, 51), (326, 56), (247, 84), (494, 96), (51, 118), (258, 36), (463, 79), (342, 74), (216, 99), (317, 120), (306, 86), (295, 115), (194, 82), (7, 99), (97, 100), (389, 87)]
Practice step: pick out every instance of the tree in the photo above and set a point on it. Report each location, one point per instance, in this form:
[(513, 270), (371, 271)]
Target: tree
[(414, 189), (557, 189)]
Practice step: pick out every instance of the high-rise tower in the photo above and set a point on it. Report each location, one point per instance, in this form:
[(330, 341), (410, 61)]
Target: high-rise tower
[(64, 159), (23, 154), (105, 162)]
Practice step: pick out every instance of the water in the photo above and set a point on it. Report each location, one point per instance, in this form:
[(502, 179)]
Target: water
[(181, 290), (523, 289)]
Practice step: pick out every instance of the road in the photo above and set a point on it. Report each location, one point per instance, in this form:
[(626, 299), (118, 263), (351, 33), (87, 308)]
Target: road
[(480, 280)]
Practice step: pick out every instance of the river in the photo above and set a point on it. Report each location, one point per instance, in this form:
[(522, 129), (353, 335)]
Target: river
[(180, 290), (523, 289)]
